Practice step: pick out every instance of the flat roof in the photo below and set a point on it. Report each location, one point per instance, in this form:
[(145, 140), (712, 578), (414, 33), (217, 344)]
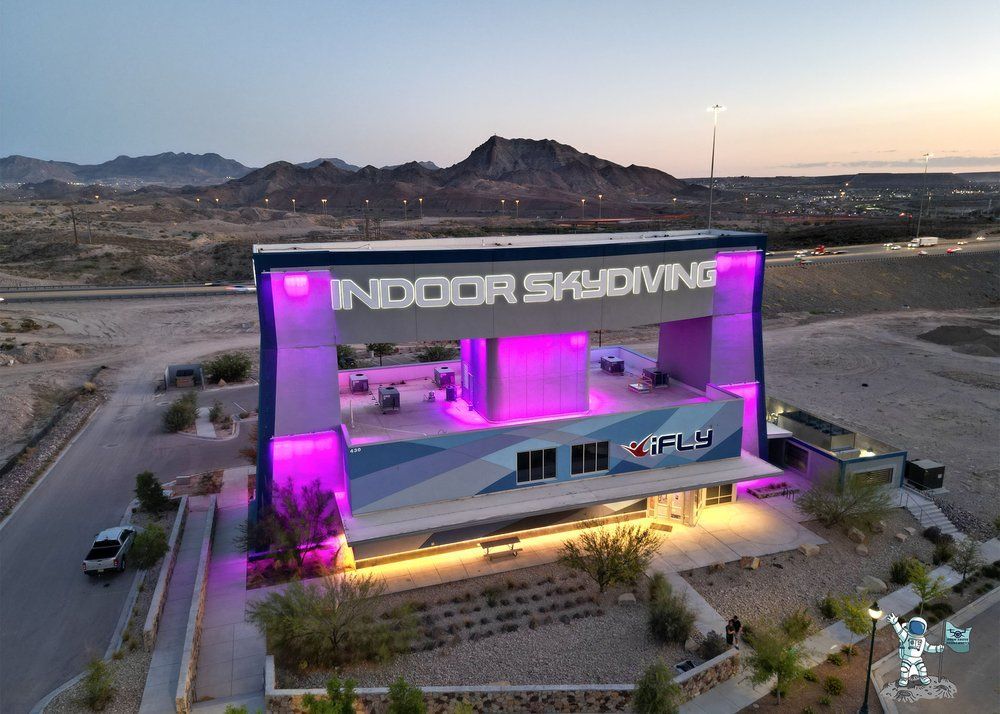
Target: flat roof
[(499, 241), (550, 497)]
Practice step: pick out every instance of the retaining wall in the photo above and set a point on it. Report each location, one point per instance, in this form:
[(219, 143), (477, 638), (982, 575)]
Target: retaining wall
[(192, 637), (150, 628)]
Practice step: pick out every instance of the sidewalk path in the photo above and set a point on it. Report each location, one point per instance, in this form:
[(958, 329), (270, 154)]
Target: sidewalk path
[(203, 425), (231, 661), (165, 666), (737, 693)]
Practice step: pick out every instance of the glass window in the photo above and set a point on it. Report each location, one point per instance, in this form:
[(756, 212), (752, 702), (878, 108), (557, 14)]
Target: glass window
[(536, 465), (589, 458), (715, 495)]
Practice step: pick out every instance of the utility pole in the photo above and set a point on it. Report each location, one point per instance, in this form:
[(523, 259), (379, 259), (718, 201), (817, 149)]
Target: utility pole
[(72, 214), (517, 208), (715, 109), (923, 192), (600, 206)]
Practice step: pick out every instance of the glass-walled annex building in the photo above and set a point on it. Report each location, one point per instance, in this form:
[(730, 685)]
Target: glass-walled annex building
[(530, 427)]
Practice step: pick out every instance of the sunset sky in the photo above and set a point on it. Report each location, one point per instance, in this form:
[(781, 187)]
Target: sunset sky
[(811, 88)]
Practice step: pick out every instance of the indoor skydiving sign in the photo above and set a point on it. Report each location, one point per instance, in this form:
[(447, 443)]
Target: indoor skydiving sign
[(451, 300)]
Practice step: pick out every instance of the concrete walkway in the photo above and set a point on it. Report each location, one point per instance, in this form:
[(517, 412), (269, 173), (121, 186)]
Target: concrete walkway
[(737, 693), (231, 661), (203, 425), (164, 668)]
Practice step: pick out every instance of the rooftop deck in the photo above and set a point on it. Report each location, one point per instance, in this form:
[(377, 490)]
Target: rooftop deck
[(419, 417)]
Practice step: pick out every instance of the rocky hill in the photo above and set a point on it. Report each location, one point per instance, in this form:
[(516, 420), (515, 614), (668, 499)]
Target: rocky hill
[(168, 169)]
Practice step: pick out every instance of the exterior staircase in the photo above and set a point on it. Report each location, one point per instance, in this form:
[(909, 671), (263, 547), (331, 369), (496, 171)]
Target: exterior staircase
[(927, 512)]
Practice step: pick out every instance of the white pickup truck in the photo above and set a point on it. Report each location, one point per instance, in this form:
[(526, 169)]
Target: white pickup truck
[(109, 550)]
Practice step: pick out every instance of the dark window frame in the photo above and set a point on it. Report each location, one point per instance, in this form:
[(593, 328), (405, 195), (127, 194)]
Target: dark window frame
[(717, 495), (590, 457), (535, 466)]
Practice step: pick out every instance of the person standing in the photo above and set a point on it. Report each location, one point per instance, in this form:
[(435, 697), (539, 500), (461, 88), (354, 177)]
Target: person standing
[(737, 628)]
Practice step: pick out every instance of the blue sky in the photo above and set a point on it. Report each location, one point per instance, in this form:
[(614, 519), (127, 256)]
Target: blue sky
[(810, 88)]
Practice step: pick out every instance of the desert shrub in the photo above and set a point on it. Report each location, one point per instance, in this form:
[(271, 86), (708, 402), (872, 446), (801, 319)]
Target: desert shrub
[(903, 570), (853, 610), (492, 596), (230, 367), (381, 349), (346, 357), (827, 607), (774, 655), (656, 692), (463, 708), (932, 533), (216, 413), (807, 710), (150, 545), (943, 552), (300, 521), (150, 493), (835, 658), (97, 685), (658, 586), (332, 623), (28, 325), (437, 352), (941, 609), (926, 587), (609, 556), (182, 413), (798, 625), (670, 620), (824, 701), (809, 676), (339, 698), (712, 646), (966, 559), (405, 699), (854, 503), (834, 686)]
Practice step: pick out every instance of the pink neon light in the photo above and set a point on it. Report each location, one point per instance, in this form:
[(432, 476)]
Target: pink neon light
[(304, 458), (296, 284), (749, 392)]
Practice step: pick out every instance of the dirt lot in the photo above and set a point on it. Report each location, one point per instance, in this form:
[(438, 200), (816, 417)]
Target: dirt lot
[(873, 373)]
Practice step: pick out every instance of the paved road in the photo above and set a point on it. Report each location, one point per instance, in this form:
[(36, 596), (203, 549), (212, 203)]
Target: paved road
[(53, 619), (853, 253)]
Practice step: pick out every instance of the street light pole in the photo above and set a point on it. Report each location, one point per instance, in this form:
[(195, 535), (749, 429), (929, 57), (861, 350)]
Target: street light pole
[(583, 208), (503, 207), (517, 208), (293, 206), (875, 614), (600, 206), (323, 200), (404, 209), (923, 192), (421, 202), (715, 109)]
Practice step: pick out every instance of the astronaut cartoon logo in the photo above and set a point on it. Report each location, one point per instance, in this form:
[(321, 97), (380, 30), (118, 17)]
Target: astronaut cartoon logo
[(912, 646)]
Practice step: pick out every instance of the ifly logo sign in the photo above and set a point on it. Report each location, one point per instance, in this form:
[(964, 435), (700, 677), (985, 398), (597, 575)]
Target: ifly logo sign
[(659, 444)]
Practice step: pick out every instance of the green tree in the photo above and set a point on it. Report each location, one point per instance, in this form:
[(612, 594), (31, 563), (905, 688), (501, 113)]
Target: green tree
[(181, 413), (150, 545), (798, 625), (774, 654), (853, 610), (150, 493), (381, 349), (97, 685), (216, 413), (346, 357), (301, 520), (966, 557), (437, 352), (331, 623), (404, 698), (656, 692), (611, 556), (231, 367), (855, 503), (340, 698), (927, 588)]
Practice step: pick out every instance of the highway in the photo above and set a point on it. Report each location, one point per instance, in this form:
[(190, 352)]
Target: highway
[(53, 618), (778, 258)]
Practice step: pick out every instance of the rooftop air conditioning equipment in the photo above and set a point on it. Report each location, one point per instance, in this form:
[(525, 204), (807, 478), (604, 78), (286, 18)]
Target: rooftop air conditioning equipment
[(388, 399), (443, 376), (613, 365), (359, 382), (925, 474), (656, 378)]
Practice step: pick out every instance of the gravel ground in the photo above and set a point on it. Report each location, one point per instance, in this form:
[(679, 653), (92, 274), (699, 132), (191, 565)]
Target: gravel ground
[(16, 482), (612, 647), (791, 580), (129, 665)]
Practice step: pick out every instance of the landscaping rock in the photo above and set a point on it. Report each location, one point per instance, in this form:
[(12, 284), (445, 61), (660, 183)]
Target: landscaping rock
[(222, 383), (755, 563), (877, 527), (873, 584), (691, 645), (626, 599), (901, 537), (749, 562), (809, 549), (856, 535), (910, 529), (716, 567), (861, 549)]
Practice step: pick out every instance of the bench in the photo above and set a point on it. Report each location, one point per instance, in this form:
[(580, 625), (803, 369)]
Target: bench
[(507, 548)]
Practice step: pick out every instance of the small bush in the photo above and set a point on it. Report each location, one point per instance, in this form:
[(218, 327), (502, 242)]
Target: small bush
[(835, 658), (944, 551), (150, 493), (656, 692), (216, 413), (798, 625), (437, 352), (670, 620), (712, 646), (150, 545), (97, 689), (932, 534), (182, 413), (231, 367), (463, 708), (827, 607), (941, 609), (904, 570), (834, 686), (339, 698), (809, 676), (492, 596), (825, 701), (404, 698)]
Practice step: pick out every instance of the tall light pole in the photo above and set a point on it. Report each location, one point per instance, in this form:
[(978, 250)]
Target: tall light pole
[(267, 202), (600, 206), (404, 209), (293, 206), (875, 614), (216, 202), (197, 203), (366, 205), (715, 109), (503, 207), (323, 201), (517, 208), (923, 192), (583, 208), (421, 202)]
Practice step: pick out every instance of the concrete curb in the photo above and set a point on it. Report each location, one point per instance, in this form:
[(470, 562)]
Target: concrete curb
[(192, 637), (152, 624)]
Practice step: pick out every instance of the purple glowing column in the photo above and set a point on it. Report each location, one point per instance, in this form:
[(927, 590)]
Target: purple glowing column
[(304, 458)]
